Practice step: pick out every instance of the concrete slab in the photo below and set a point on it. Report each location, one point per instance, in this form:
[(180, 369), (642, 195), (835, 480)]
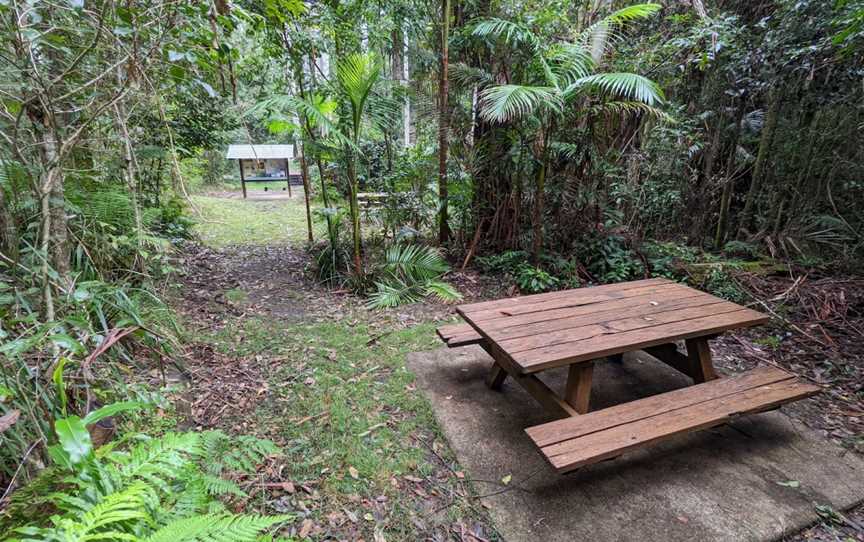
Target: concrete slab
[(720, 484)]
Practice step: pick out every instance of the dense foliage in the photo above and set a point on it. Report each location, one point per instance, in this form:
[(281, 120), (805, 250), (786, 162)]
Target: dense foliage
[(553, 144)]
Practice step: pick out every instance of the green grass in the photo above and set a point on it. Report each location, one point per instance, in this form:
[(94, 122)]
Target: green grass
[(347, 412), (225, 221)]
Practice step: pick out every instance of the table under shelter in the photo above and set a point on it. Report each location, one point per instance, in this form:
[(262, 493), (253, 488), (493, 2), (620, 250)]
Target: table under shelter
[(263, 163), (578, 328)]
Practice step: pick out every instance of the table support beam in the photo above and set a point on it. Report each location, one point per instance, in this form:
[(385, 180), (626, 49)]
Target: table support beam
[(697, 364), (536, 388)]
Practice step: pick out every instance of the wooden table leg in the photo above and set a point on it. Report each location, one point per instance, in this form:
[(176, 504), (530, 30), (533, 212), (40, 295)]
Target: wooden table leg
[(578, 391), (497, 376), (536, 388), (699, 354)]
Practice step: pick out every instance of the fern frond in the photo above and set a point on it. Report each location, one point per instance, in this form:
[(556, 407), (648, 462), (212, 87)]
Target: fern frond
[(216, 527), (216, 486)]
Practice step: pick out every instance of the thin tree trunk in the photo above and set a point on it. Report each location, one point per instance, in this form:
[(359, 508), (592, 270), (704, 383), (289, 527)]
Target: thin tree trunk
[(767, 138), (8, 231), (729, 181), (304, 172), (539, 197), (443, 126)]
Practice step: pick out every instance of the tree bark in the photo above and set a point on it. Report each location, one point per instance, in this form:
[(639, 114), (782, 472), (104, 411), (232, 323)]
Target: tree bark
[(443, 126), (765, 141)]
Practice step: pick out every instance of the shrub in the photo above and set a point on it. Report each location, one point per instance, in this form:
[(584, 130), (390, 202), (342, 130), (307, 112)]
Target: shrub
[(534, 280), (505, 263)]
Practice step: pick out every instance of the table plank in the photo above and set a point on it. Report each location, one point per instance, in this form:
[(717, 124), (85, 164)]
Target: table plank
[(535, 298), (594, 447), (612, 326), (604, 345), (557, 431), (574, 298), (558, 319)]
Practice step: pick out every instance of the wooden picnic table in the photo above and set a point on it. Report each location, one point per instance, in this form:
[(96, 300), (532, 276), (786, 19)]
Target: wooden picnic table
[(575, 328)]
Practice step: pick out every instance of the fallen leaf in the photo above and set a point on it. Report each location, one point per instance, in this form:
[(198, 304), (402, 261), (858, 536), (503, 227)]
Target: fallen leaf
[(460, 474), (353, 472), (305, 528), (8, 420), (413, 479)]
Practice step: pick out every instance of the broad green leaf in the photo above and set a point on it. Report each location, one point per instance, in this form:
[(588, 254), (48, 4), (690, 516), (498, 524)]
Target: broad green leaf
[(111, 410), (59, 384), (74, 438)]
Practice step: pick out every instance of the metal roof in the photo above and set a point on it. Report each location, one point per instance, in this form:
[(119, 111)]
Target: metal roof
[(259, 152)]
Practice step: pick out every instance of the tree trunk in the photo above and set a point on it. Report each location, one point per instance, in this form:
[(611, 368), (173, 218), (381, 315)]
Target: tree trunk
[(8, 230), (765, 141), (304, 173), (355, 218), (539, 197), (443, 126), (729, 182)]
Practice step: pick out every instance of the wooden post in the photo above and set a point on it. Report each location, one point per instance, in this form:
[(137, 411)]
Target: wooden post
[(288, 177), (242, 177), (578, 390), (699, 353)]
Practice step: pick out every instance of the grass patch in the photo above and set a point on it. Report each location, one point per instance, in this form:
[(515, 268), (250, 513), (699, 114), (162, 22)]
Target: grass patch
[(349, 416), (228, 221)]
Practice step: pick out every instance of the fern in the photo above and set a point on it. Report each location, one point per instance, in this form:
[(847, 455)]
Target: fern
[(163, 488), (215, 527)]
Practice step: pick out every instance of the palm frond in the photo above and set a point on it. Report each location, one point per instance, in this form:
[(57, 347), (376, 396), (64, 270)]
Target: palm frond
[(570, 62), (503, 103), (598, 35), (442, 290), (514, 34), (627, 85), (630, 108), (414, 262), (469, 76), (357, 74)]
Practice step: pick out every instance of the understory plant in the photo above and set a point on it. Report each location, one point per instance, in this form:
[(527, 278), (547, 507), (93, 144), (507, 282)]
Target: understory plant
[(139, 488), (409, 273)]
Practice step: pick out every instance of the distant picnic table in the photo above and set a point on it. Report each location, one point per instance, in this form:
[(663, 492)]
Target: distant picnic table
[(575, 328)]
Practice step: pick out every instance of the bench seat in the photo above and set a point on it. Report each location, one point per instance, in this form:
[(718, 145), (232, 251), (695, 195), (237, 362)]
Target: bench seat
[(574, 442), (459, 335)]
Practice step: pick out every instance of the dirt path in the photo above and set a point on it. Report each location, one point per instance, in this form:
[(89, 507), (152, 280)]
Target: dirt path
[(274, 354)]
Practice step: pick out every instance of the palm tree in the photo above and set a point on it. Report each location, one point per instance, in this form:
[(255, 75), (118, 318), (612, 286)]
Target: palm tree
[(561, 76), (357, 74)]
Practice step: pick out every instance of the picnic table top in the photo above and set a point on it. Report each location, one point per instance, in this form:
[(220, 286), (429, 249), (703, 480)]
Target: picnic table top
[(538, 332)]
